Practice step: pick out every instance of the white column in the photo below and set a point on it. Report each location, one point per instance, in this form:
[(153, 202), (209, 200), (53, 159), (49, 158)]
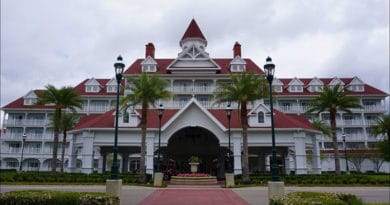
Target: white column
[(237, 152), (316, 159), (87, 152), (72, 155), (300, 153), (149, 153)]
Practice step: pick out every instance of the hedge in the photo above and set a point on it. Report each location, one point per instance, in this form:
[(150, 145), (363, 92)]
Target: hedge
[(59, 178), (41, 197), (310, 198)]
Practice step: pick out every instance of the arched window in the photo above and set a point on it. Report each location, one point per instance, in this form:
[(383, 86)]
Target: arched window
[(260, 117)]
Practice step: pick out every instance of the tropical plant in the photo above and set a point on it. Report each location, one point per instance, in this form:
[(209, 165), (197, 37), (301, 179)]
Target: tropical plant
[(145, 90), (332, 99), (65, 97), (243, 89), (67, 122), (382, 127), (322, 126)]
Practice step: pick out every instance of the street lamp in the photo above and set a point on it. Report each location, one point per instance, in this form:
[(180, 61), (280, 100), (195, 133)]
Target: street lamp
[(119, 66), (160, 114), (269, 69), (21, 157), (229, 115), (345, 152)]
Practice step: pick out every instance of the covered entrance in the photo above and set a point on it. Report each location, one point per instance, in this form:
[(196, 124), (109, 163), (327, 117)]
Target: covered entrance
[(195, 141)]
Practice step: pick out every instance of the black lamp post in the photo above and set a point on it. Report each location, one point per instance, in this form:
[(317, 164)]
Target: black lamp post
[(229, 115), (345, 152), (269, 69), (119, 66), (160, 114), (21, 157)]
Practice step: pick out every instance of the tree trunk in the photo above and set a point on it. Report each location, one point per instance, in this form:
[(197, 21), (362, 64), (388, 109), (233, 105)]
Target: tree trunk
[(332, 115), (244, 124), (142, 176), (63, 151), (55, 142)]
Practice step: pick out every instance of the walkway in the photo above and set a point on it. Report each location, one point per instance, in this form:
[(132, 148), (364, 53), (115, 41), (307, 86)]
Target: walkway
[(194, 197)]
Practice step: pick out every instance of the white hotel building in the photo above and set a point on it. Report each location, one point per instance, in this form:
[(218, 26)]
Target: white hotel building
[(192, 124)]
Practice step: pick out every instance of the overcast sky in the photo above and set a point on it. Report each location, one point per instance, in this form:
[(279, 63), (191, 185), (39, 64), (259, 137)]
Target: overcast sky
[(63, 42)]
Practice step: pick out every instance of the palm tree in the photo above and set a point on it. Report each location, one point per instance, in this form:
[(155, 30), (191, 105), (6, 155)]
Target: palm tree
[(322, 126), (382, 127), (243, 89), (63, 98), (67, 122), (332, 99), (145, 90)]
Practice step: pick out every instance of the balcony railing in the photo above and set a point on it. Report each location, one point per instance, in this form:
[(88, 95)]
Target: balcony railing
[(374, 108), (25, 122)]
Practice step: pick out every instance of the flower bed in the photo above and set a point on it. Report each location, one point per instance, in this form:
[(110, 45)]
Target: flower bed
[(194, 175)]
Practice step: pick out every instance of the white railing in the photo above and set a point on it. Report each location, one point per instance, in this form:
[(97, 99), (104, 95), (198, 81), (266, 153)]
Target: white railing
[(9, 136), (374, 108), (292, 109), (25, 122)]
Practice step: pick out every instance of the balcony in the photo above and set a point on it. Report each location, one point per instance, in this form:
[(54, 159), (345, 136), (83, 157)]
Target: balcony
[(25, 122), (292, 109), (374, 108)]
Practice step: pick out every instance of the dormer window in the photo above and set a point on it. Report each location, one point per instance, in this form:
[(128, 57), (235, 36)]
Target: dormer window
[(237, 68), (277, 88), (92, 88), (111, 88), (295, 88), (356, 88), (237, 64), (315, 88), (29, 101), (149, 68), (260, 117)]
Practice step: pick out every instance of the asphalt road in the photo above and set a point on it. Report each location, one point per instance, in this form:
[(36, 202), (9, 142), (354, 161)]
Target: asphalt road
[(132, 195)]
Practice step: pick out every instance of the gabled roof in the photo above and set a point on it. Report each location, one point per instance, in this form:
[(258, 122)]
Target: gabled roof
[(80, 88), (295, 81), (193, 31), (223, 63), (282, 120), (368, 89), (19, 103)]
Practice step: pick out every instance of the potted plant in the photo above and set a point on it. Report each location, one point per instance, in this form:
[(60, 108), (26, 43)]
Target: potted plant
[(194, 162)]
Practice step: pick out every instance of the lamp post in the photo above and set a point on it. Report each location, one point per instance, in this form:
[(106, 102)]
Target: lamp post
[(21, 157), (229, 115), (269, 69), (119, 66), (345, 152), (160, 114)]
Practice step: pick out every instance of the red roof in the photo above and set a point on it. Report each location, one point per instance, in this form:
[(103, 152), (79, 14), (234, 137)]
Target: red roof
[(106, 120), (193, 31), (368, 90), (162, 65), (80, 88), (19, 104)]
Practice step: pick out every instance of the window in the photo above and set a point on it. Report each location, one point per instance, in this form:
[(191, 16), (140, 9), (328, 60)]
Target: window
[(30, 101), (92, 88), (126, 117), (296, 88), (237, 67), (277, 88), (260, 117), (148, 68), (111, 88)]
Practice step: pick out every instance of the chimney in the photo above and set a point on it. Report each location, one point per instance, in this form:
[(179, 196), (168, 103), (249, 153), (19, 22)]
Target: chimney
[(236, 50), (149, 50)]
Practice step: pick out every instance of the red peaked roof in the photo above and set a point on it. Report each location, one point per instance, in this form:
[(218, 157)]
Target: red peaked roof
[(106, 120), (368, 90), (19, 104), (80, 88), (162, 65), (193, 31)]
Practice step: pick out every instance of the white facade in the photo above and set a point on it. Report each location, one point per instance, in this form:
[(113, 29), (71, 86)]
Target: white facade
[(192, 123)]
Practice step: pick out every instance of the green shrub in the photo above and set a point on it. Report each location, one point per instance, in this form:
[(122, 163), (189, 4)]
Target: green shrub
[(310, 198), (40, 197)]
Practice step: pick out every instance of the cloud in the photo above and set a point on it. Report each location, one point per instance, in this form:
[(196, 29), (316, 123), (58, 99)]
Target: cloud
[(63, 42)]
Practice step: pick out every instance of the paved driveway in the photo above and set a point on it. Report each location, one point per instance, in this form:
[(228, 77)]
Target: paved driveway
[(132, 195)]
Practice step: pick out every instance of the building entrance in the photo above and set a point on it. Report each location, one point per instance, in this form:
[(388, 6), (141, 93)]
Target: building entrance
[(195, 141)]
